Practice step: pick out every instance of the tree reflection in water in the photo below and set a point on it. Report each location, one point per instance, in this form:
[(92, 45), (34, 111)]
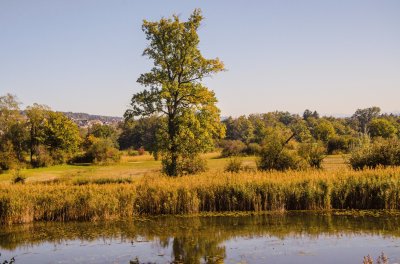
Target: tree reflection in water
[(199, 239)]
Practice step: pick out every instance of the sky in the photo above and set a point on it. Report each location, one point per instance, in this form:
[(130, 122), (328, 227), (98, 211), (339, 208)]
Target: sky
[(85, 56)]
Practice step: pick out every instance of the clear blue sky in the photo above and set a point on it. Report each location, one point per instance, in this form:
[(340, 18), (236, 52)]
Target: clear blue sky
[(85, 56)]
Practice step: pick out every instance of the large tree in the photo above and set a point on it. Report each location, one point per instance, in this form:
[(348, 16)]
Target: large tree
[(187, 109)]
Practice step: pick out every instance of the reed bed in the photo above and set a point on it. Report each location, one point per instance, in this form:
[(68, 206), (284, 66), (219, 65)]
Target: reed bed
[(208, 192)]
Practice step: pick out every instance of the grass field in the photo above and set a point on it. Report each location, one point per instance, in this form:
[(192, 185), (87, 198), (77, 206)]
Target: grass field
[(132, 168)]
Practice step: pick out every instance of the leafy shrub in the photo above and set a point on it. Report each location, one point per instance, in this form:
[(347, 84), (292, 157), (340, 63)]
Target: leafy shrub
[(234, 165), (253, 149), (381, 152), (313, 153), (102, 151), (273, 156), (192, 165), (232, 148)]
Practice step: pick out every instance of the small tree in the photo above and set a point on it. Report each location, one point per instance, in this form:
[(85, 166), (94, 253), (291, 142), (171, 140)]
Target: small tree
[(274, 155), (313, 153), (190, 119)]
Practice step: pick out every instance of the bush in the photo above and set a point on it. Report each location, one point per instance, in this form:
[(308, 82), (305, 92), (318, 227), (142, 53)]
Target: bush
[(253, 149), (234, 165), (102, 151), (192, 165), (273, 156), (313, 153), (381, 152), (232, 148)]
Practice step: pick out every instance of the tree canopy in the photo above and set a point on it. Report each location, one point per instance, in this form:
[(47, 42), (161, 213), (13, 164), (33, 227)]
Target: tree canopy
[(189, 117)]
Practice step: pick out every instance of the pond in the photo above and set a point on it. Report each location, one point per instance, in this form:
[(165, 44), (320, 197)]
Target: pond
[(293, 237)]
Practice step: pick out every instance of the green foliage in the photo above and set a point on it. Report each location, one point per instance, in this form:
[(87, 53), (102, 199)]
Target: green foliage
[(301, 131), (140, 133), (362, 117), (190, 120), (102, 151), (274, 155), (380, 127), (313, 153), (339, 144), (235, 165), (308, 113), (190, 164), (323, 130), (380, 152), (253, 149), (232, 148), (8, 159), (104, 131), (61, 136), (12, 133), (53, 137), (239, 129)]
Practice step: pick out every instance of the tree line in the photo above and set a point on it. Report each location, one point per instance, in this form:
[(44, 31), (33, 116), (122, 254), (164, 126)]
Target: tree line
[(176, 118), (38, 137)]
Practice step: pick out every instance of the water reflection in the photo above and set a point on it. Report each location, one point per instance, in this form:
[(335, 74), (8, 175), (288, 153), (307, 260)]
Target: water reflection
[(193, 239)]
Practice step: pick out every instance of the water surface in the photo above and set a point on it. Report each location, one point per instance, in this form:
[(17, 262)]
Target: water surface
[(296, 237)]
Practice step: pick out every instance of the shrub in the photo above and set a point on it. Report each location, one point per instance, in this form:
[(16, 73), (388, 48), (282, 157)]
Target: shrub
[(234, 165), (313, 153), (102, 151), (273, 156), (191, 165), (381, 152), (253, 149), (232, 148)]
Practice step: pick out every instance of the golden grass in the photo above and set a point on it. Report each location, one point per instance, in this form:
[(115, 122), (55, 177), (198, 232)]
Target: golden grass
[(213, 191)]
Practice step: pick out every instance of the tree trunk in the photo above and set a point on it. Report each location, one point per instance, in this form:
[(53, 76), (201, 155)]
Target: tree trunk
[(172, 164)]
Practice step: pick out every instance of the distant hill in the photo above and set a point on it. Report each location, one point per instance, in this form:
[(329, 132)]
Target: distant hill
[(85, 120)]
